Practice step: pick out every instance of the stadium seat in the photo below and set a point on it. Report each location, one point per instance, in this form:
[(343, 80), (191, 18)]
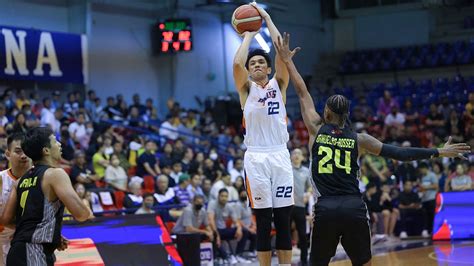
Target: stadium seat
[(148, 184), (119, 197)]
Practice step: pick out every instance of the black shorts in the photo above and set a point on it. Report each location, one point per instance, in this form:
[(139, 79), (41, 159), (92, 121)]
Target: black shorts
[(342, 218), (23, 254)]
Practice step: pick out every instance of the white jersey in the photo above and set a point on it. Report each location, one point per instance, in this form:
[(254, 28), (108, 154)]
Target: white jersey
[(8, 181), (265, 119)]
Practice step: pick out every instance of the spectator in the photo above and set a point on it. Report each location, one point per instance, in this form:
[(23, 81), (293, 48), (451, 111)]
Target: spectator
[(224, 182), (239, 184), (411, 114), (386, 104), (405, 171), (197, 163), (187, 159), (429, 186), (118, 150), (56, 101), (169, 129), (386, 201), (3, 117), (438, 171), (236, 170), (111, 110), (194, 220), (101, 159), (377, 168), (115, 175), (30, 117), (460, 181), (59, 120), (71, 106), (135, 198), (435, 121), (98, 110), (181, 190), (19, 125), (85, 197), (89, 103), (410, 207), (146, 163), (81, 172), (194, 188), (135, 119), (244, 213), (220, 212), (395, 118), (176, 173), (302, 184), (165, 196), (137, 104), (21, 99), (206, 189), (77, 129), (47, 115), (178, 150), (469, 109), (148, 202), (166, 157)]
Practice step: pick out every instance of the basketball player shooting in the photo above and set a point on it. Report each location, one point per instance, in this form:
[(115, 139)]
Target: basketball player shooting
[(268, 170), (340, 213)]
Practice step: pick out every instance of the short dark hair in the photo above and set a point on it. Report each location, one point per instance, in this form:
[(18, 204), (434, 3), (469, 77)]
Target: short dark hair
[(14, 137), (198, 196), (256, 52), (222, 190), (35, 140), (423, 165), (146, 195)]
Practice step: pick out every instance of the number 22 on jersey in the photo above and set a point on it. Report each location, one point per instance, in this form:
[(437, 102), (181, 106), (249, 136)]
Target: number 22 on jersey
[(325, 167)]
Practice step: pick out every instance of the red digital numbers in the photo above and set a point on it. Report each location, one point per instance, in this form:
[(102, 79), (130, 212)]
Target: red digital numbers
[(165, 46), (184, 35), (175, 41), (187, 45), (168, 36), (176, 46)]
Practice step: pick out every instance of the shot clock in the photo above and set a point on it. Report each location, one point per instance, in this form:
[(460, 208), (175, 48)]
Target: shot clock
[(174, 35)]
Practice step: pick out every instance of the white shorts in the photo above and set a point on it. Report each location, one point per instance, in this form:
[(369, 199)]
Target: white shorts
[(268, 177)]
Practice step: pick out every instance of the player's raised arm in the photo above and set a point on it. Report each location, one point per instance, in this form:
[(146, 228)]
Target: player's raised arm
[(241, 75), (369, 144), (311, 118), (281, 71)]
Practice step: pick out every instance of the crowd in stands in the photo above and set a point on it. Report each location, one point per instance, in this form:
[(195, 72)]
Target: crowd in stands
[(122, 156)]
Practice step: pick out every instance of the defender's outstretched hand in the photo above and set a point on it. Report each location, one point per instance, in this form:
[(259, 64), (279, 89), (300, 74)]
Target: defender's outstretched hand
[(451, 149), (283, 48)]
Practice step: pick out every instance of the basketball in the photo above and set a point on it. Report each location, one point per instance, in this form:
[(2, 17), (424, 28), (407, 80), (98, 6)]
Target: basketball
[(246, 18)]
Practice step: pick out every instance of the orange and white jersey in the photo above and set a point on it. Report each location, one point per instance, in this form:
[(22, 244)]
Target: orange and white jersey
[(8, 180), (265, 119)]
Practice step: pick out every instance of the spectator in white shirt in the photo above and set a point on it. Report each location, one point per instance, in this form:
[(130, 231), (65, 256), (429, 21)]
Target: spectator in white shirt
[(115, 175), (227, 184), (168, 130), (237, 170), (395, 118), (77, 129), (47, 115)]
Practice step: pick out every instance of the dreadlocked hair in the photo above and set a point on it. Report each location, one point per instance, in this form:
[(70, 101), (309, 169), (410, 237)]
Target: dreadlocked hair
[(339, 105)]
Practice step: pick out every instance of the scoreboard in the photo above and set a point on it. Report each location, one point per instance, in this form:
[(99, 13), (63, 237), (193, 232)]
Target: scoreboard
[(175, 35)]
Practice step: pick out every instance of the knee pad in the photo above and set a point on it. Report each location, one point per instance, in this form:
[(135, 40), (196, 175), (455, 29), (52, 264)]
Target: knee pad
[(281, 218), (264, 228)]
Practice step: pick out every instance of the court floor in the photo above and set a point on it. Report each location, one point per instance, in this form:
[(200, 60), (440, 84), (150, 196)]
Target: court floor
[(416, 252)]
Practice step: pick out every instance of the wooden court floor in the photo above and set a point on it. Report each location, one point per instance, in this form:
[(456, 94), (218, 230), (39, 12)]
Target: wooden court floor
[(440, 254)]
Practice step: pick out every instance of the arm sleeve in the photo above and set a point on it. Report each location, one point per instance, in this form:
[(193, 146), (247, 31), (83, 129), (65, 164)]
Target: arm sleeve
[(407, 154)]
